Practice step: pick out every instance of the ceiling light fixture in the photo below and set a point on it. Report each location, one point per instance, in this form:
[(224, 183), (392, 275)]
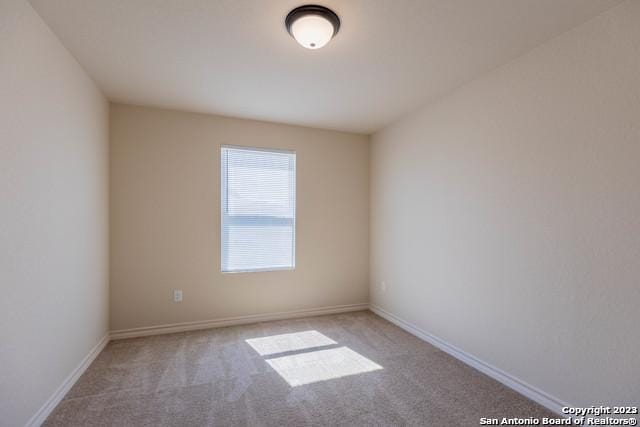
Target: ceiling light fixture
[(312, 26)]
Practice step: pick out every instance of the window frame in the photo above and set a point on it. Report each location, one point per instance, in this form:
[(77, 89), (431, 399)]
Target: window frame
[(224, 199)]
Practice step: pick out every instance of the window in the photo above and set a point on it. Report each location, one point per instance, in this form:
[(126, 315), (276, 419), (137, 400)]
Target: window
[(258, 209)]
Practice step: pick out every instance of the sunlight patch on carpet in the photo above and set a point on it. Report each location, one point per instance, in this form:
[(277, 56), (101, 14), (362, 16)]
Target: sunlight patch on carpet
[(289, 342), (321, 365)]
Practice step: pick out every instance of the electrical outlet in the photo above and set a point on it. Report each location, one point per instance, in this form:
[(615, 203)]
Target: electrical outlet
[(177, 295), (383, 286)]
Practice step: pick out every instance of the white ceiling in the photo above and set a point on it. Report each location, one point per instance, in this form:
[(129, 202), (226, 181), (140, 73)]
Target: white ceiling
[(235, 58)]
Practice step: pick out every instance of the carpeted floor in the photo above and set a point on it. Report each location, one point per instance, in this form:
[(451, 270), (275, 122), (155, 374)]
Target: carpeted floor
[(352, 369)]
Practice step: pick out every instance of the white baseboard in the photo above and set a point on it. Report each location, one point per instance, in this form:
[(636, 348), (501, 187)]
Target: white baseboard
[(545, 399), (231, 321), (39, 417)]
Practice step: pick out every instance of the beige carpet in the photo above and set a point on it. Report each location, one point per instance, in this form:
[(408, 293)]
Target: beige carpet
[(352, 369)]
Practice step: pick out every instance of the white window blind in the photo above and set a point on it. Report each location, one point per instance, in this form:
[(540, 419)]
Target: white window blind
[(258, 209)]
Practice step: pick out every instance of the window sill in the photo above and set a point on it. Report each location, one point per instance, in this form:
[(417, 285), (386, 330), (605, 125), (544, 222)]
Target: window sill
[(258, 270)]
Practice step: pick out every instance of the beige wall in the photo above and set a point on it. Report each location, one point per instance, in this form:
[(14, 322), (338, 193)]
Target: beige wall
[(165, 219), (506, 218), (53, 213)]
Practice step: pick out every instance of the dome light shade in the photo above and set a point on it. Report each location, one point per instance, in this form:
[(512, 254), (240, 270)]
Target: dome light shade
[(312, 26), (312, 31)]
